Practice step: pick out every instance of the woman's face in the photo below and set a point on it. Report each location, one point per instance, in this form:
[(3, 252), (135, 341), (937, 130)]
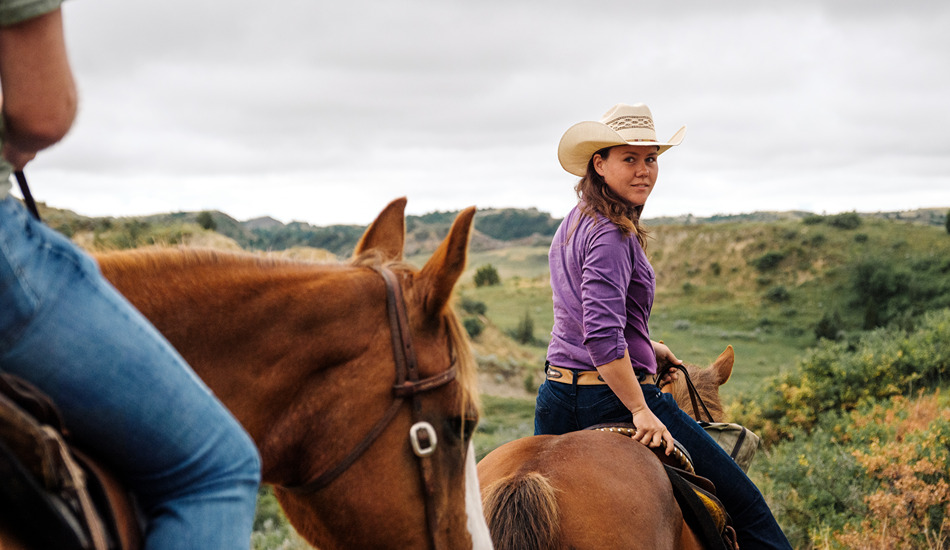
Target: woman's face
[(630, 171)]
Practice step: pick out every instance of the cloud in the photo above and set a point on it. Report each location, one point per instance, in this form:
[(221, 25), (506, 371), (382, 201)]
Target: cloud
[(324, 111)]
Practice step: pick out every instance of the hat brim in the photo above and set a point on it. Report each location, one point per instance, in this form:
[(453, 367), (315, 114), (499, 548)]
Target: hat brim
[(581, 141)]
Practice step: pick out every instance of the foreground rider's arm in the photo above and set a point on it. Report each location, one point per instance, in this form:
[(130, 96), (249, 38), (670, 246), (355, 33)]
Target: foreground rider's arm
[(620, 377), (39, 94)]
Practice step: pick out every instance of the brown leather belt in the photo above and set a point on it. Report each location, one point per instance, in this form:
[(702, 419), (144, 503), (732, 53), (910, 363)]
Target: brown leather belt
[(586, 377)]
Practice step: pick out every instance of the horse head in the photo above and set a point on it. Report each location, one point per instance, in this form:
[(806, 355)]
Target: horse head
[(416, 484), (707, 381), (342, 373)]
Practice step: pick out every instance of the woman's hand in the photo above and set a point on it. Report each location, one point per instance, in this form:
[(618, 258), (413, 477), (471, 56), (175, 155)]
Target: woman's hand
[(665, 355), (650, 431)]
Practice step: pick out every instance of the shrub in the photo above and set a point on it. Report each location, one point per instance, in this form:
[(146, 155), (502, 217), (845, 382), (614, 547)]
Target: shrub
[(473, 326), (845, 220), (778, 294), (206, 221), (524, 333), (813, 219), (487, 275), (767, 261), (838, 376), (829, 327), (473, 307), (872, 478)]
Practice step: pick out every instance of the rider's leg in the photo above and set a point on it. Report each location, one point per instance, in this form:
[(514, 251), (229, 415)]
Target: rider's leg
[(123, 391), (755, 526)]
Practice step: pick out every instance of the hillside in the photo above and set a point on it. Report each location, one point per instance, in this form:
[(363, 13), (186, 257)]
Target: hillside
[(494, 228)]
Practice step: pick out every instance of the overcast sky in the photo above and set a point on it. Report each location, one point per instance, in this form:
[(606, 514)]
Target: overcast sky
[(323, 111)]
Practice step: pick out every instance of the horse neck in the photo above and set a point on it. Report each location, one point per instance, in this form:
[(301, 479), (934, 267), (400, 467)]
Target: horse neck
[(277, 342)]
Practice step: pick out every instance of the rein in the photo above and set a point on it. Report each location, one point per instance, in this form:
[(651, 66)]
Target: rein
[(695, 399), (422, 435)]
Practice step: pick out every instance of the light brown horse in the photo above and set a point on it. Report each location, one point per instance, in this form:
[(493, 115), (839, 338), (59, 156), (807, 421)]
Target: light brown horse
[(591, 489), (304, 356)]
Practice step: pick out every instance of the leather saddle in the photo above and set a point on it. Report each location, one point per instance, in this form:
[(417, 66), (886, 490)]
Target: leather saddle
[(696, 495), (54, 495)]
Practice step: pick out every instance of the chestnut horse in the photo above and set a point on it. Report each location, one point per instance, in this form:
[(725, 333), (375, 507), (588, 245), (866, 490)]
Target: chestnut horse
[(355, 380), (591, 489)]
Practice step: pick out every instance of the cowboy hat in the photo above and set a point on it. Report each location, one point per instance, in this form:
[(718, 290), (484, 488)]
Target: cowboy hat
[(621, 125)]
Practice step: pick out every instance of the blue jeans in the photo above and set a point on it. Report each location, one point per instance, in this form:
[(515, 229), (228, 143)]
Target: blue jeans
[(563, 408), (123, 392)]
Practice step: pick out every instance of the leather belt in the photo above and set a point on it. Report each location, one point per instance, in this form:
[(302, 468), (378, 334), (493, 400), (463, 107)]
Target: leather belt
[(586, 377)]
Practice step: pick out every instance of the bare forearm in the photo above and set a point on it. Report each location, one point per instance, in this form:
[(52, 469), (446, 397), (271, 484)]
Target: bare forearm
[(620, 377), (39, 94)]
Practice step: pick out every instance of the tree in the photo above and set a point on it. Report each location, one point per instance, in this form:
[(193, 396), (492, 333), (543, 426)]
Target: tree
[(524, 333), (487, 275), (206, 221)]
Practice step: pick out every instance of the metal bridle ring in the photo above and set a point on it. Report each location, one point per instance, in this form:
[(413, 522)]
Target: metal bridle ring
[(426, 446)]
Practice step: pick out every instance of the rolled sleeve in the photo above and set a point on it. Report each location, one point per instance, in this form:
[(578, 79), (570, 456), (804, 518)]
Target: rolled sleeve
[(607, 269)]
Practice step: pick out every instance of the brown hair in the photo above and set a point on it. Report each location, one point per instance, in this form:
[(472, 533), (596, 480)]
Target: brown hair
[(597, 198)]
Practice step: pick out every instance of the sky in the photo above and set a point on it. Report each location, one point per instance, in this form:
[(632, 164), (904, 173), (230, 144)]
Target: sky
[(323, 112)]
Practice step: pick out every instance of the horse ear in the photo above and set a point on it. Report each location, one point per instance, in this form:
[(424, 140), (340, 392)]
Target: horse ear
[(444, 268), (387, 233), (723, 365)]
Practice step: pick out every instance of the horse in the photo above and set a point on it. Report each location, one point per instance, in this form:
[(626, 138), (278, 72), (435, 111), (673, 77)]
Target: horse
[(539, 492), (354, 379)]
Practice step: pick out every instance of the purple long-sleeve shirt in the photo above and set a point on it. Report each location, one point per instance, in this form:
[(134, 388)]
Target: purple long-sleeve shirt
[(603, 288)]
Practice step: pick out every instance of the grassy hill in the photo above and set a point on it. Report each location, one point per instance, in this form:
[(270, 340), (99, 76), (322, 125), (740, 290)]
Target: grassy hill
[(841, 326)]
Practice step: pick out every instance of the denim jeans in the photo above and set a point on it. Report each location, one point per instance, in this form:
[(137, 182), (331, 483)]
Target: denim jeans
[(123, 392), (563, 408)]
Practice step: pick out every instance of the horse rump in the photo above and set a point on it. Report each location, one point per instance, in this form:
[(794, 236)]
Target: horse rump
[(522, 513)]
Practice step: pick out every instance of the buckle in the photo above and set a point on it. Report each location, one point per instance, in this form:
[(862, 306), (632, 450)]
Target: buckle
[(423, 439)]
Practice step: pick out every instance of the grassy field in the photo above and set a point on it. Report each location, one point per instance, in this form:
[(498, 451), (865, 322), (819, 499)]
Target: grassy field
[(760, 287)]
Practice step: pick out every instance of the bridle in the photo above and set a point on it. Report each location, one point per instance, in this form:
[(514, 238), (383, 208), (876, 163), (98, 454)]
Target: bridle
[(422, 435)]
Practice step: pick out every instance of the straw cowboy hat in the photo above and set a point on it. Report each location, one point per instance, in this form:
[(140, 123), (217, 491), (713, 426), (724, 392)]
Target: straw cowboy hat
[(621, 125)]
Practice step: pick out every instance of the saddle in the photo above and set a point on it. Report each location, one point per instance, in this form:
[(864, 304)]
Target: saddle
[(54, 495), (696, 495)]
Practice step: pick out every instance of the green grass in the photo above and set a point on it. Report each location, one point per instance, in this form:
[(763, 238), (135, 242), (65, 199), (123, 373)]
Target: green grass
[(504, 419)]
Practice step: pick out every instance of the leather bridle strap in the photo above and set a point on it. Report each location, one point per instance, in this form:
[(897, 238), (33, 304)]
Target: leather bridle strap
[(408, 385), (694, 397)]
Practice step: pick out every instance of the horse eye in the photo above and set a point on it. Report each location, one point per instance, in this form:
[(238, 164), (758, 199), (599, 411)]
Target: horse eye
[(462, 426)]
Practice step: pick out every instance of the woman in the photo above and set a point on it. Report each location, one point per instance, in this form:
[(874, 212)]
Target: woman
[(601, 362)]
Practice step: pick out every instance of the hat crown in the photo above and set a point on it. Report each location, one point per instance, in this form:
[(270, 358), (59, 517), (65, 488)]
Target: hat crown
[(633, 122), (621, 125)]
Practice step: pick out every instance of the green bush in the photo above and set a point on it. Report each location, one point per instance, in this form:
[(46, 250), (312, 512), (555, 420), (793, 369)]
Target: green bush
[(767, 261), (473, 326), (487, 275), (845, 220), (473, 307), (841, 376), (778, 294)]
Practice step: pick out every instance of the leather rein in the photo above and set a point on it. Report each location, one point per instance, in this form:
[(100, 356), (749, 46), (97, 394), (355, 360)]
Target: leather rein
[(422, 436)]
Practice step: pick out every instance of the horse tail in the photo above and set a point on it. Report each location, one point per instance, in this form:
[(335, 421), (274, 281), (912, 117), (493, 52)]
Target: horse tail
[(522, 513)]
